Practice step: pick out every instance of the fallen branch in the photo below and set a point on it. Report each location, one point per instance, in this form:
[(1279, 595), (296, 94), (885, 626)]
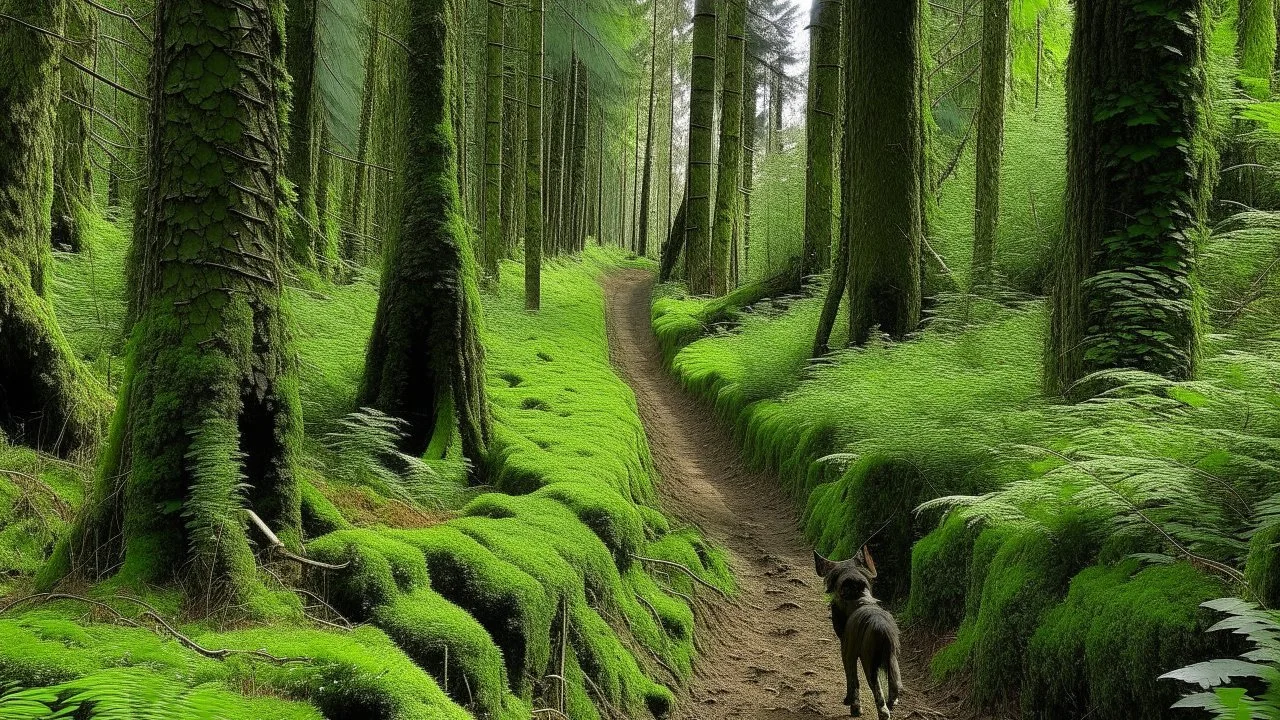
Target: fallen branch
[(220, 654), (678, 566), (279, 547)]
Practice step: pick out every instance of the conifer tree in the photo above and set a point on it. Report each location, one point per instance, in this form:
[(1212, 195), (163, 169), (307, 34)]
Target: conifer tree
[(820, 120), (990, 149), (701, 110), (533, 215), (72, 168), (728, 204)]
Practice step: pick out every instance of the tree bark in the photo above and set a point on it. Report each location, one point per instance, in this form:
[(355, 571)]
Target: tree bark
[(303, 147), (701, 111), (729, 178), (646, 184), (533, 171), (1122, 291), (491, 246), (674, 242), (884, 164), (820, 120), (208, 422), (355, 245), (47, 398), (425, 363), (990, 149), (72, 168)]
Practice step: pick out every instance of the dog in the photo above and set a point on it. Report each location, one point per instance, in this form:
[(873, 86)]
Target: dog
[(867, 631)]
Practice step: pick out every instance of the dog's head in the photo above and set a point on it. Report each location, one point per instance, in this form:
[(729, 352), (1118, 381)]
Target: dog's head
[(848, 581)]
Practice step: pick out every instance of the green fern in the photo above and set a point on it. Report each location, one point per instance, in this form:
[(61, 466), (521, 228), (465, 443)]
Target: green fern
[(1261, 628), (366, 448)]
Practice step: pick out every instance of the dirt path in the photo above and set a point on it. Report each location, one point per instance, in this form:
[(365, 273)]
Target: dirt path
[(771, 655)]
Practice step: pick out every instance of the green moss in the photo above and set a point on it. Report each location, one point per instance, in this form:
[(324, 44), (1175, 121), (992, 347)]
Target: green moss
[(1102, 649), (940, 571)]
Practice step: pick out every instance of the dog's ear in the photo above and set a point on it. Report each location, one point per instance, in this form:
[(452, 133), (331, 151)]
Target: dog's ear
[(868, 562), (822, 565)]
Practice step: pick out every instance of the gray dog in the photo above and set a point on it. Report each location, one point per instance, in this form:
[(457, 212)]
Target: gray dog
[(867, 631)]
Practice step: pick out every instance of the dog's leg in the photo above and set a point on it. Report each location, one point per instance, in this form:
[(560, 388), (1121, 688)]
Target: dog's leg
[(849, 655), (872, 671), (895, 680)]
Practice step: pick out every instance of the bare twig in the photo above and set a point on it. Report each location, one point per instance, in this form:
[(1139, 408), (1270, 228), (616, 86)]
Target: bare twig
[(678, 566), (279, 546)]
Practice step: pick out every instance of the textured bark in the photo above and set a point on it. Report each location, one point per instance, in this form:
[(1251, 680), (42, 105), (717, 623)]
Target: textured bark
[(1122, 291), (209, 420), (355, 246), (728, 206), (674, 243), (646, 182), (578, 180), (492, 223), (425, 363), (820, 120), (990, 149), (302, 164), (750, 90), (884, 165), (72, 168), (701, 111), (47, 399), (533, 171)]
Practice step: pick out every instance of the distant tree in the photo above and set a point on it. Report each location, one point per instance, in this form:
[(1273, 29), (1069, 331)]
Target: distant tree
[(728, 205), (425, 363), (990, 150), (701, 115), (72, 165), (208, 421), (883, 166), (47, 399), (646, 182), (820, 122), (1122, 290), (491, 241), (302, 164), (533, 216)]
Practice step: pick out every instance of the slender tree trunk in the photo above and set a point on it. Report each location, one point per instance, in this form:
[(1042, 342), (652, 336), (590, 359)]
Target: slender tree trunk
[(425, 363), (671, 119), (578, 186), (47, 398), (355, 247), (533, 173), (208, 423), (820, 122), (701, 112), (303, 144), (884, 150), (564, 201), (990, 151), (72, 168), (675, 241), (1122, 291), (492, 217), (646, 183), (751, 91), (729, 178)]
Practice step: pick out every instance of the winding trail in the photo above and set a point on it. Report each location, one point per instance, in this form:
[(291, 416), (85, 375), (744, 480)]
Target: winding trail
[(771, 653)]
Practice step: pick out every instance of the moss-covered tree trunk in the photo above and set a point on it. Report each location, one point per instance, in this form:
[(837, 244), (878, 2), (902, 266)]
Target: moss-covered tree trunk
[(533, 217), (425, 363), (728, 205), (701, 111), (72, 166), (303, 147), (750, 90), (355, 245), (990, 149), (47, 398), (1243, 180), (646, 180), (820, 121), (578, 159), (884, 162), (208, 421), (1136, 169), (491, 241), (673, 246)]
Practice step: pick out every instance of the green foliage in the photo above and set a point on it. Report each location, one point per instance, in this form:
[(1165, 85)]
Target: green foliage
[(1261, 628)]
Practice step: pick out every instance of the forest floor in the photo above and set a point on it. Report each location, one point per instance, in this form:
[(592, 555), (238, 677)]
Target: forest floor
[(770, 653)]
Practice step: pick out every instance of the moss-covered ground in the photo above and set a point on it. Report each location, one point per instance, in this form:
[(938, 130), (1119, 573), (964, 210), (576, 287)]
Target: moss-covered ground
[(491, 602)]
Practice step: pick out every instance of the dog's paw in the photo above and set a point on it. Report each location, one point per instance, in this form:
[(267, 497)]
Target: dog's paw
[(883, 712), (855, 711), (848, 699)]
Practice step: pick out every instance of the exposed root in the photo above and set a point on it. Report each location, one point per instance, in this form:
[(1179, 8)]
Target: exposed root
[(678, 566)]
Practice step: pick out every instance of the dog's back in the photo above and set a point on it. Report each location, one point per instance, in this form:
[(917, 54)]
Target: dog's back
[(871, 635), (868, 633)]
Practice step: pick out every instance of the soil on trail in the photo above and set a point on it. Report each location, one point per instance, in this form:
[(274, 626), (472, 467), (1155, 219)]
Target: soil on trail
[(770, 654)]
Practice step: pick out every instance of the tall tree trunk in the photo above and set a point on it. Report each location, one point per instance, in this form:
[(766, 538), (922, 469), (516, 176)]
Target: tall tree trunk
[(208, 423), (47, 398), (820, 121), (1256, 46), (729, 178), (675, 241), (884, 161), (990, 151), (533, 172), (303, 145), (556, 162), (581, 129), (1122, 293), (564, 201), (425, 363), (72, 168), (751, 90), (355, 245), (671, 122), (701, 112), (491, 248), (646, 183)]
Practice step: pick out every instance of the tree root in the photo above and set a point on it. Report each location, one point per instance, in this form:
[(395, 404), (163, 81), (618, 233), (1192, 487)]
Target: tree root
[(678, 566)]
